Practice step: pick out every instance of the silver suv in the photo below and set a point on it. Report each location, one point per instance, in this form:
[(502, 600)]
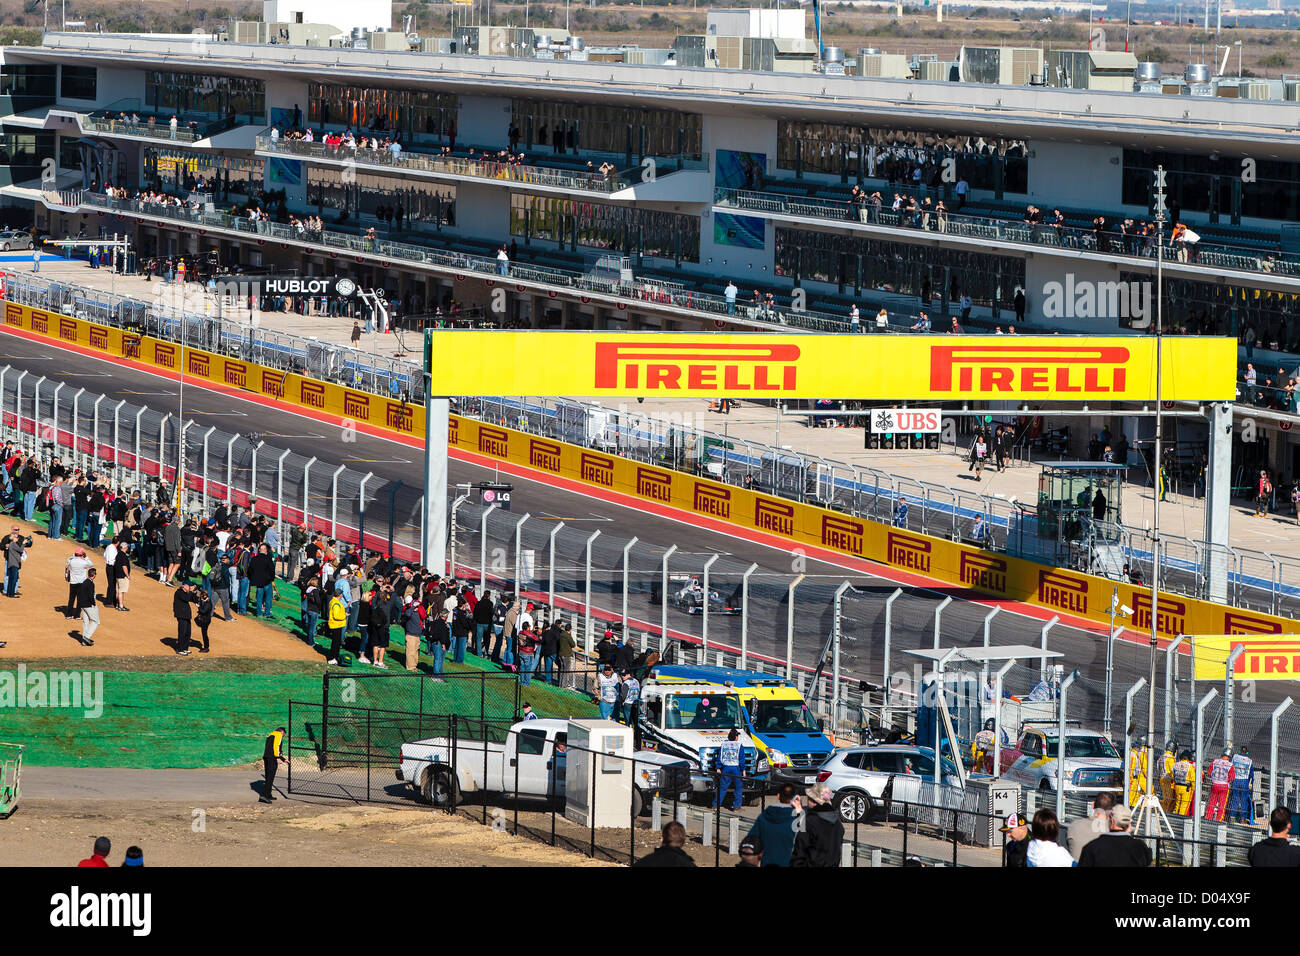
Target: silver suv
[(858, 775)]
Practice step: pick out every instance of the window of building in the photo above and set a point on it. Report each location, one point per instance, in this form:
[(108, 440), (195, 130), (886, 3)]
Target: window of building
[(360, 198), (416, 114), (27, 79), (898, 267), (25, 149), (203, 94), (985, 162), (1215, 185), (623, 229), (78, 83), (589, 127), (225, 177), (69, 152)]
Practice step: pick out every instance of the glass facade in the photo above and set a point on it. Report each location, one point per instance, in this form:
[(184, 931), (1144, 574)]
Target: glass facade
[(25, 149), (420, 202), (27, 79), (985, 162), (897, 267), (1211, 308), (645, 232), (416, 114), (1216, 186), (629, 130), (206, 94), (228, 176), (78, 82)]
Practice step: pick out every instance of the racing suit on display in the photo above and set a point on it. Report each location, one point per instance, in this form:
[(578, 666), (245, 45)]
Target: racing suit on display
[(981, 749), (1221, 775), (1167, 781), (1137, 774), (608, 695), (1184, 776), (1240, 805), (731, 762)]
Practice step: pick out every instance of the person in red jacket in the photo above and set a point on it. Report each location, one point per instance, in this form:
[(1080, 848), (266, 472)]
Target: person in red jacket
[(1221, 775), (100, 855)]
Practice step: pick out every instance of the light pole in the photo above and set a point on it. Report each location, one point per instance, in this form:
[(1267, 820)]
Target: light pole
[(1155, 511)]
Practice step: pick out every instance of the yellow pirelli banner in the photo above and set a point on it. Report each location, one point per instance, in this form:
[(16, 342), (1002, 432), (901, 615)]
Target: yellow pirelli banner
[(1265, 656), (872, 367), (985, 574), (285, 388)]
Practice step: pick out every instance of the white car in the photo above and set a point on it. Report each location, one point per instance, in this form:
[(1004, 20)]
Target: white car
[(1092, 764), (14, 239), (858, 775)]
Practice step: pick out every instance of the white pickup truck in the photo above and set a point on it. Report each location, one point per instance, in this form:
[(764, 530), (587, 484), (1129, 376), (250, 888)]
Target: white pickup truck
[(533, 755)]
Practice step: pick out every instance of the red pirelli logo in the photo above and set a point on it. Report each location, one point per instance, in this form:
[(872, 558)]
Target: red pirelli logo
[(655, 485), (712, 500), (99, 338), (696, 366), (68, 330), (400, 417), (40, 322), (236, 374), (130, 345), (1064, 592), (596, 469), (311, 394), (356, 405), (453, 431), (908, 551), (1269, 658), (493, 441), (164, 355), (1171, 615), (273, 383), (13, 315), (198, 364), (991, 369), (1235, 622), (842, 534), (544, 455), (774, 516), (983, 572)]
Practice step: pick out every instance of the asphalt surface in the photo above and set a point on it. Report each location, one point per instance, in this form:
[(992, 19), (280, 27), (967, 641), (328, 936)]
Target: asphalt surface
[(863, 606)]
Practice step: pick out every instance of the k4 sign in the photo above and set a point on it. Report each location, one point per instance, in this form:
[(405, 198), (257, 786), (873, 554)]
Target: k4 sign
[(921, 421)]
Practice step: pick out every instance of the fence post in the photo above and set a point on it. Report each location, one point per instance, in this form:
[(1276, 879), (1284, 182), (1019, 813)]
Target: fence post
[(54, 412), (482, 548), (1200, 764), (80, 392), (230, 468), (744, 616), (117, 443), (1229, 701), (988, 619), (550, 596), (451, 531), (1060, 746), (162, 447), (334, 501), (663, 594), (94, 432), (587, 643), (1272, 751), (1170, 704), (135, 440), (889, 635), (938, 613), (361, 513), (789, 627), (627, 555), (1128, 740), (1110, 670), (279, 491), (838, 631), (704, 607), (519, 541), (1042, 661)]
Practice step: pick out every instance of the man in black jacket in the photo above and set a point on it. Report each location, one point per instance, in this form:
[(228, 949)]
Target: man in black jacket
[(818, 842), (1277, 849), (550, 650), (1118, 847), (670, 852), (181, 601), (261, 575), (484, 611)]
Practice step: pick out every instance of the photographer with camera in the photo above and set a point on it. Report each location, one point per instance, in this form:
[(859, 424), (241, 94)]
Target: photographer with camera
[(14, 545)]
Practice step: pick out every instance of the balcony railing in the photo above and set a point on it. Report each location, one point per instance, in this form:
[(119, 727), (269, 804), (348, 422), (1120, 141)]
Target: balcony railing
[(1203, 253), (447, 165)]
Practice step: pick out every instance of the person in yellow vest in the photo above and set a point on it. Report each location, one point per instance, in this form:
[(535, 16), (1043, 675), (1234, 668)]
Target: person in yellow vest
[(336, 620), (1138, 761), (180, 273), (272, 757), (1167, 762), (1184, 774), (981, 748)]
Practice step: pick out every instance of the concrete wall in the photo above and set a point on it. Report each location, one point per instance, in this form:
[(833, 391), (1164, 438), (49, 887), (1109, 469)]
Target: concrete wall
[(750, 268), (111, 85), (1075, 174), (483, 120)]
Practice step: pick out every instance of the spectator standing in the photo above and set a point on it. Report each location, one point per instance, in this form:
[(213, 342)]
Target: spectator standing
[(731, 767), (272, 757), (822, 832), (77, 568), (1082, 831), (336, 621), (181, 601), (261, 575), (1277, 850), (1117, 846), (775, 827), (203, 617), (608, 691), (15, 551), (484, 613), (85, 605), (438, 639)]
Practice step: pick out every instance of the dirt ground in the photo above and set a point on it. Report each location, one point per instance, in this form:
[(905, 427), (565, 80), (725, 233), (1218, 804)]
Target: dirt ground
[(34, 626), (287, 833)]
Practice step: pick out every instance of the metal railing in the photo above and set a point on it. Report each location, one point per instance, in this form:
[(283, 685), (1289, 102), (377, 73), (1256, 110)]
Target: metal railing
[(414, 161), (1211, 255)]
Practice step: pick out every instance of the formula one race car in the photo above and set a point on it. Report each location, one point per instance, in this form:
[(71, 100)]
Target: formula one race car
[(686, 593)]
